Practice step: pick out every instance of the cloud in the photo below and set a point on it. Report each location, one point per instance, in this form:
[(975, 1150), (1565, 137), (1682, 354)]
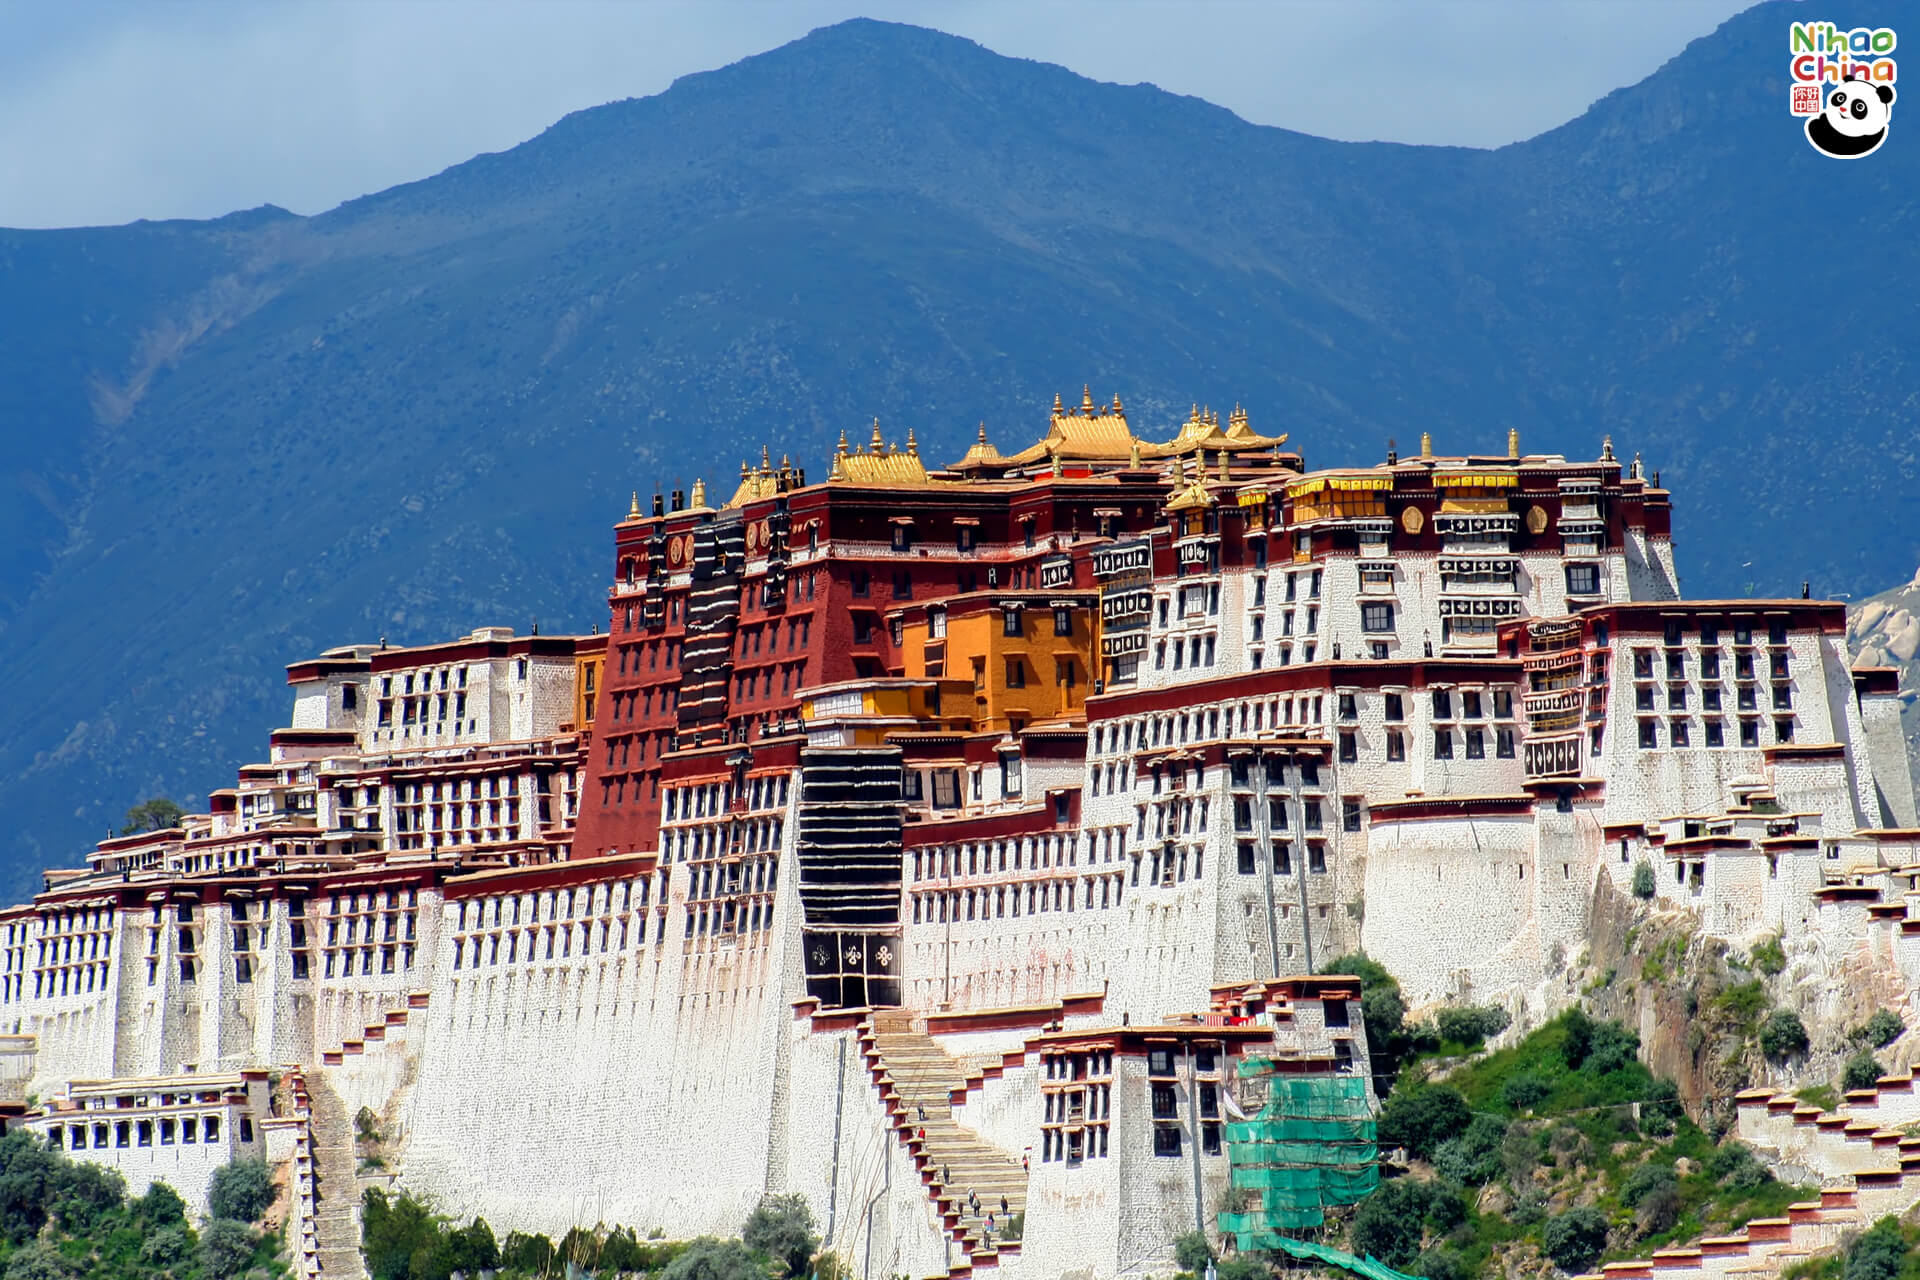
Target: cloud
[(120, 111)]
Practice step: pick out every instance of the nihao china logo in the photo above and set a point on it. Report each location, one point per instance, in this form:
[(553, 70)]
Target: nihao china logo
[(1842, 82)]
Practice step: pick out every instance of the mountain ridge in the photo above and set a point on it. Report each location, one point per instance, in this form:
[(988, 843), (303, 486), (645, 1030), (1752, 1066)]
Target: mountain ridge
[(244, 440)]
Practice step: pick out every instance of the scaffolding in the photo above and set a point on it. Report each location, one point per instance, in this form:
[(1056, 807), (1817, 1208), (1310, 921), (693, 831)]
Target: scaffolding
[(1312, 1146)]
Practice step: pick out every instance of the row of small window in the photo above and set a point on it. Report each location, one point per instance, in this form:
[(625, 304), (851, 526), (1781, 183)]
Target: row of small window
[(758, 683), (711, 799), (1746, 697), (1094, 1102), (724, 919), (1146, 732), (1025, 853), (55, 922), (1473, 705), (1473, 742), (1278, 812), (1072, 1146), (1174, 817), (685, 844), (1194, 651), (559, 904), (637, 704), (1676, 631), (421, 709), (718, 880), (1079, 1066), (1676, 664), (1167, 1139), (1713, 733), (1005, 902), (525, 944), (449, 678), (1258, 632), (1281, 856), (62, 950), (186, 1131), (243, 967), (73, 980), (360, 904), (393, 927)]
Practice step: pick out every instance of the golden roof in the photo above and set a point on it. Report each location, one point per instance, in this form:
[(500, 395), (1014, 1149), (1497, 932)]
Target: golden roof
[(982, 453), (881, 466), (1100, 433), (764, 481)]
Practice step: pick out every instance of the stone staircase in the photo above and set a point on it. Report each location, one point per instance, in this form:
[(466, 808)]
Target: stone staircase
[(1763, 1248), (303, 1243), (917, 1080), (336, 1218)]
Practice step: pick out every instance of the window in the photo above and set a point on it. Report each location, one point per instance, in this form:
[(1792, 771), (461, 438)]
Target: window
[(863, 628), (1503, 704), (1677, 733), (1246, 859), (1376, 615), (1503, 743), (1442, 704), (862, 586), (1710, 697), (1782, 697), (1062, 622), (1350, 746), (1643, 664), (1749, 733), (1583, 579), (1716, 734), (1349, 709), (1443, 744), (1783, 729), (1476, 744), (902, 583), (1350, 814), (1016, 674), (1166, 1140), (1010, 622), (1470, 705), (1676, 664), (1676, 697), (1395, 711), (1649, 735), (937, 623), (1396, 745)]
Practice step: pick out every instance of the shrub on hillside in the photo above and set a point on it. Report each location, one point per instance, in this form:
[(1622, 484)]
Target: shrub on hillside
[(1783, 1035), (711, 1259), (226, 1247), (1390, 1224), (1734, 1167), (1644, 1181), (1470, 1024), (1879, 1031), (1862, 1071), (1423, 1118), (1472, 1158), (1575, 1238), (1643, 879), (782, 1228), (1879, 1253), (1524, 1091), (1769, 957), (241, 1191)]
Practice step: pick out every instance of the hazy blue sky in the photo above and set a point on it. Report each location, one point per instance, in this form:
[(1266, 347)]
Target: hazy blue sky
[(111, 111)]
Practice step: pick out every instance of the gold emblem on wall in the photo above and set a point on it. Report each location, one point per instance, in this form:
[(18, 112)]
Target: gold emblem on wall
[(1536, 520), (1412, 521)]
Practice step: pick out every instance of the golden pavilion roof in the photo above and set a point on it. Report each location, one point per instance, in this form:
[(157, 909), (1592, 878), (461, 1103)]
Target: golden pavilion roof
[(764, 481), (881, 465), (1100, 433), (982, 454)]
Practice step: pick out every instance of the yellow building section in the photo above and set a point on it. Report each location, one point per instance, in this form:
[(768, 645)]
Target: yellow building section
[(586, 687), (867, 711), (1022, 659)]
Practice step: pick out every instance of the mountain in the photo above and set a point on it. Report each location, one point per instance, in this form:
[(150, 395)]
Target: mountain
[(232, 443)]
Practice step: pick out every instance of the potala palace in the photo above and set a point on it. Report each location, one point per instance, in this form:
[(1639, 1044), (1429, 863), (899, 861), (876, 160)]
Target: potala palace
[(957, 846)]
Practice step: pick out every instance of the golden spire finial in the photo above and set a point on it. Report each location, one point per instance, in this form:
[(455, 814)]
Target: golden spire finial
[(1133, 452), (1086, 398), (1513, 442), (838, 471), (766, 458), (1057, 408), (876, 435), (699, 493), (1224, 472), (1117, 410), (633, 510), (1606, 449), (1426, 444), (982, 437), (842, 451), (913, 446), (1193, 414), (746, 472)]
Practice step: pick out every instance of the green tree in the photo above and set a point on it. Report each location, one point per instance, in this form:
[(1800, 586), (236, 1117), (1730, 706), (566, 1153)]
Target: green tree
[(1472, 1158), (161, 1206), (1735, 1167), (1423, 1118), (241, 1190), (42, 1260), (1192, 1253), (25, 1167), (1644, 1181), (1524, 1090), (1575, 1238), (1783, 1035), (226, 1247), (1863, 1071), (165, 1249), (394, 1231), (80, 1194), (157, 814), (1470, 1024), (782, 1228), (711, 1259), (1879, 1031), (1879, 1253), (1390, 1224), (1643, 879), (1578, 1037)]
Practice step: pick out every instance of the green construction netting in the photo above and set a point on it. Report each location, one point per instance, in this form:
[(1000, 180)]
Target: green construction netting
[(1311, 1146)]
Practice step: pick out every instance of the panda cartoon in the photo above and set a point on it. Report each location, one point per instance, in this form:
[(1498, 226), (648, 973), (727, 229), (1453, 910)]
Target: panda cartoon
[(1854, 120)]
